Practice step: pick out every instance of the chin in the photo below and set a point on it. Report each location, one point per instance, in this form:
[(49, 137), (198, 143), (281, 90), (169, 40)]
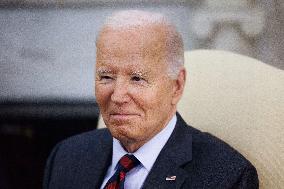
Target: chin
[(124, 135)]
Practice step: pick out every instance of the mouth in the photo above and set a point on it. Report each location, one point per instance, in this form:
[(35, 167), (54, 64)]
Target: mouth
[(122, 116)]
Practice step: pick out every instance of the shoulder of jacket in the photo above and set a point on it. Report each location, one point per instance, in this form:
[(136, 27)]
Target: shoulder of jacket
[(84, 140), (210, 148)]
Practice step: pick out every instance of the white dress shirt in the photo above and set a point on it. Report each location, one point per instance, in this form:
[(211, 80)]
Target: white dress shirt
[(146, 154)]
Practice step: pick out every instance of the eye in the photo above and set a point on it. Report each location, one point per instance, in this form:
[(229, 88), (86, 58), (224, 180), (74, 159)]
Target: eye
[(137, 78), (105, 77)]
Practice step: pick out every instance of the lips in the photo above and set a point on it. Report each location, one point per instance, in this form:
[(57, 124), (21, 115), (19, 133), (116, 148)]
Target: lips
[(122, 116)]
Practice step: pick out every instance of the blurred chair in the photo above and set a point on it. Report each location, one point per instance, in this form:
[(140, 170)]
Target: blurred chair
[(240, 100)]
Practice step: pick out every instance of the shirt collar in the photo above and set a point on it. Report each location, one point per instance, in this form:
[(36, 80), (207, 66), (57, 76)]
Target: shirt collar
[(148, 153)]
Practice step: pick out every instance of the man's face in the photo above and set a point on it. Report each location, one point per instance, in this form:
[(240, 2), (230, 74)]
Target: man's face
[(133, 90)]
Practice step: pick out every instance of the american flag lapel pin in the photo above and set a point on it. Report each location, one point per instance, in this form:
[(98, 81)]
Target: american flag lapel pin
[(171, 177)]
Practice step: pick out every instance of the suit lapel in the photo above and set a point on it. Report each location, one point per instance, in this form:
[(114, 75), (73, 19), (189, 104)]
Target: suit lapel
[(176, 153)]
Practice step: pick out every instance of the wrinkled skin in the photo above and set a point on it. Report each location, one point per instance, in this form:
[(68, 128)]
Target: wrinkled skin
[(135, 95)]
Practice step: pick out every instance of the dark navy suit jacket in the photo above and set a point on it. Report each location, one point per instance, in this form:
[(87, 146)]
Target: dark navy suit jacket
[(198, 160)]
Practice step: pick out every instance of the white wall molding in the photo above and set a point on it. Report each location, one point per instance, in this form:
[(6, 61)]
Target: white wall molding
[(228, 26)]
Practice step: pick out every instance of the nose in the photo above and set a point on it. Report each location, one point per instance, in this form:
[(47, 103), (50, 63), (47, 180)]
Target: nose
[(120, 92)]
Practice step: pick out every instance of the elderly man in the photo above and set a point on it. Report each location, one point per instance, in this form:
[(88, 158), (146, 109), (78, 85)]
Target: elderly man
[(139, 80)]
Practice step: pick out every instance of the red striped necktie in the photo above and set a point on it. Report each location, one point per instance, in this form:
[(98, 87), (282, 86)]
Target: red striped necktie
[(125, 164)]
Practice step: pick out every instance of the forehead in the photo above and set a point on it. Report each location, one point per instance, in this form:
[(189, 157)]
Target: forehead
[(146, 40), (132, 47)]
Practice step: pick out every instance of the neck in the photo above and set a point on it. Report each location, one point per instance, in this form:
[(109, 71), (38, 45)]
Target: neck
[(132, 147)]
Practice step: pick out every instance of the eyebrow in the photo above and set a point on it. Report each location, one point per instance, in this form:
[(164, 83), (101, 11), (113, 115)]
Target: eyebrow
[(140, 73), (103, 71)]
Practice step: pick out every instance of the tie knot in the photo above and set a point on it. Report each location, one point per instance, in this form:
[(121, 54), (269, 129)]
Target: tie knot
[(127, 162)]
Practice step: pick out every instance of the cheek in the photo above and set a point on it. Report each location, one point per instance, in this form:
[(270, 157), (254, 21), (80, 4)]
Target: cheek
[(142, 96), (148, 99), (102, 94), (159, 100)]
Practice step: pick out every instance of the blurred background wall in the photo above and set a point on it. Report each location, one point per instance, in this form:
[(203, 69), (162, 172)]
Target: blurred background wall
[(47, 61), (48, 47)]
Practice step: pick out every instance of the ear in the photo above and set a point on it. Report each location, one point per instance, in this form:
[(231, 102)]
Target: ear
[(179, 84)]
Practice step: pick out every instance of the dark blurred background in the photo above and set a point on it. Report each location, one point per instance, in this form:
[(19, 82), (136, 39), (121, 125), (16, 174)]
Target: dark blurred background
[(47, 61), (29, 128)]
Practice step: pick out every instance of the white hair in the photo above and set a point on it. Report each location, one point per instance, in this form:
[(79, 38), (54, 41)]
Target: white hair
[(130, 18), (174, 44)]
